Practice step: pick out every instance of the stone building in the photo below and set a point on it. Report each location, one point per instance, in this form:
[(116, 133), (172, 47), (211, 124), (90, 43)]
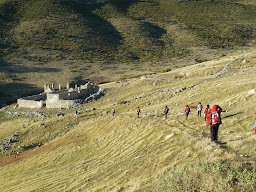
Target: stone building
[(60, 98)]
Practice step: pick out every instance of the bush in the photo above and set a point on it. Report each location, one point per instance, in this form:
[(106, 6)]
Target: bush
[(166, 70), (179, 76)]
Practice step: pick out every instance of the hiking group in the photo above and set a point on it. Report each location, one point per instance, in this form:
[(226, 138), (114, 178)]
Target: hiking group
[(212, 117)]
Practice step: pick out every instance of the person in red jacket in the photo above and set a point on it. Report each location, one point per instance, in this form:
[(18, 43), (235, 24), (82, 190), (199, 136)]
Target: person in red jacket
[(187, 111), (214, 120), (206, 111)]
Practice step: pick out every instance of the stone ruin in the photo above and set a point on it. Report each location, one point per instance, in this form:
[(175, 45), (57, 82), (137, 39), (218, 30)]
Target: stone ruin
[(61, 98)]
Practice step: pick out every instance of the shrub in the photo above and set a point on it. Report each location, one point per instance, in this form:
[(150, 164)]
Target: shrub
[(102, 82), (179, 76), (166, 70)]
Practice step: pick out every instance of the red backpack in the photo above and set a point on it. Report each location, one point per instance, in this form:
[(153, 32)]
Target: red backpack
[(216, 119)]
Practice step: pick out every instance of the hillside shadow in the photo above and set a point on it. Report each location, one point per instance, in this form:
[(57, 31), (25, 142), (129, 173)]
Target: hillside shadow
[(123, 5), (153, 30), (10, 92), (98, 25), (78, 81), (23, 69), (8, 10), (11, 87), (8, 67), (232, 115)]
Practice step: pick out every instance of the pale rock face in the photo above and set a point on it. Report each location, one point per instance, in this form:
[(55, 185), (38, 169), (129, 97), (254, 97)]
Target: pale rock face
[(169, 136), (251, 92)]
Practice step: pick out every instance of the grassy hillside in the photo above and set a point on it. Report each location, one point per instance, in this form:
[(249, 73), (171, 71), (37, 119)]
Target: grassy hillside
[(98, 152), (44, 41)]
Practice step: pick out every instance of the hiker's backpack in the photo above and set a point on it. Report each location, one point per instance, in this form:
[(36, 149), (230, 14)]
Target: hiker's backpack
[(216, 119), (254, 125), (188, 110)]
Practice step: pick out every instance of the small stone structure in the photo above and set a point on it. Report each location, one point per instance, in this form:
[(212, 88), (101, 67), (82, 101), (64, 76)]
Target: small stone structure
[(60, 98)]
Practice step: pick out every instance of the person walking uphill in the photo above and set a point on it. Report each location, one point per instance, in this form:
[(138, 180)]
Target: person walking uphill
[(199, 109), (138, 112), (187, 111), (166, 110), (206, 111), (214, 120), (113, 112)]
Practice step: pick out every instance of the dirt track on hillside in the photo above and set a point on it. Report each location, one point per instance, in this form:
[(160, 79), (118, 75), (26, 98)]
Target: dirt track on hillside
[(48, 147)]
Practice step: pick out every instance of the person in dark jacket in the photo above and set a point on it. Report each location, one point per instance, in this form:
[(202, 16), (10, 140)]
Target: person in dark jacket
[(214, 120), (166, 110), (138, 112)]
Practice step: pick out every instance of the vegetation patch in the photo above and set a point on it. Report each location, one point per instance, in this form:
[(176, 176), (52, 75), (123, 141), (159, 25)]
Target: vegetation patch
[(218, 176)]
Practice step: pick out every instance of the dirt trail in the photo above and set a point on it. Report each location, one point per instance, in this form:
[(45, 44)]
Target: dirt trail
[(48, 147)]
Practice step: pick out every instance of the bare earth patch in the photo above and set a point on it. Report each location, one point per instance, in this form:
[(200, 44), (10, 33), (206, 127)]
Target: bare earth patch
[(48, 147)]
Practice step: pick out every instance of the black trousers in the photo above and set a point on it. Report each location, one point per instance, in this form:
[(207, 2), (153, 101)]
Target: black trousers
[(214, 133)]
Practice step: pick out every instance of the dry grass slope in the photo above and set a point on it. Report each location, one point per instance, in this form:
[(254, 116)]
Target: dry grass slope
[(98, 152)]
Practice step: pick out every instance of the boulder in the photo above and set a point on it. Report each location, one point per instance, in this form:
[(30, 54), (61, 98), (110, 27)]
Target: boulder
[(104, 112), (170, 136), (251, 92), (146, 115), (60, 115)]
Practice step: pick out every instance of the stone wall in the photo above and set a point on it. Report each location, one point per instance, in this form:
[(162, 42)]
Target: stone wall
[(58, 98), (53, 101), (35, 101)]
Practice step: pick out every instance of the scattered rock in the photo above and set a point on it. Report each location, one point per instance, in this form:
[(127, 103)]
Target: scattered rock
[(146, 115), (226, 68), (226, 131), (208, 147), (137, 157), (244, 61), (155, 83), (124, 83), (143, 77), (5, 148), (251, 92), (170, 136), (6, 142), (104, 112), (60, 115)]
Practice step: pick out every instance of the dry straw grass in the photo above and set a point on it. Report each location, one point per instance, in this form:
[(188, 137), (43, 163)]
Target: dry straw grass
[(123, 153)]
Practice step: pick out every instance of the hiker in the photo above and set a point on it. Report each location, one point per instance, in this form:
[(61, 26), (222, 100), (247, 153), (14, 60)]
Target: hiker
[(187, 111), (75, 114), (214, 120), (206, 111), (166, 110), (254, 127), (113, 112), (138, 112), (199, 109)]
